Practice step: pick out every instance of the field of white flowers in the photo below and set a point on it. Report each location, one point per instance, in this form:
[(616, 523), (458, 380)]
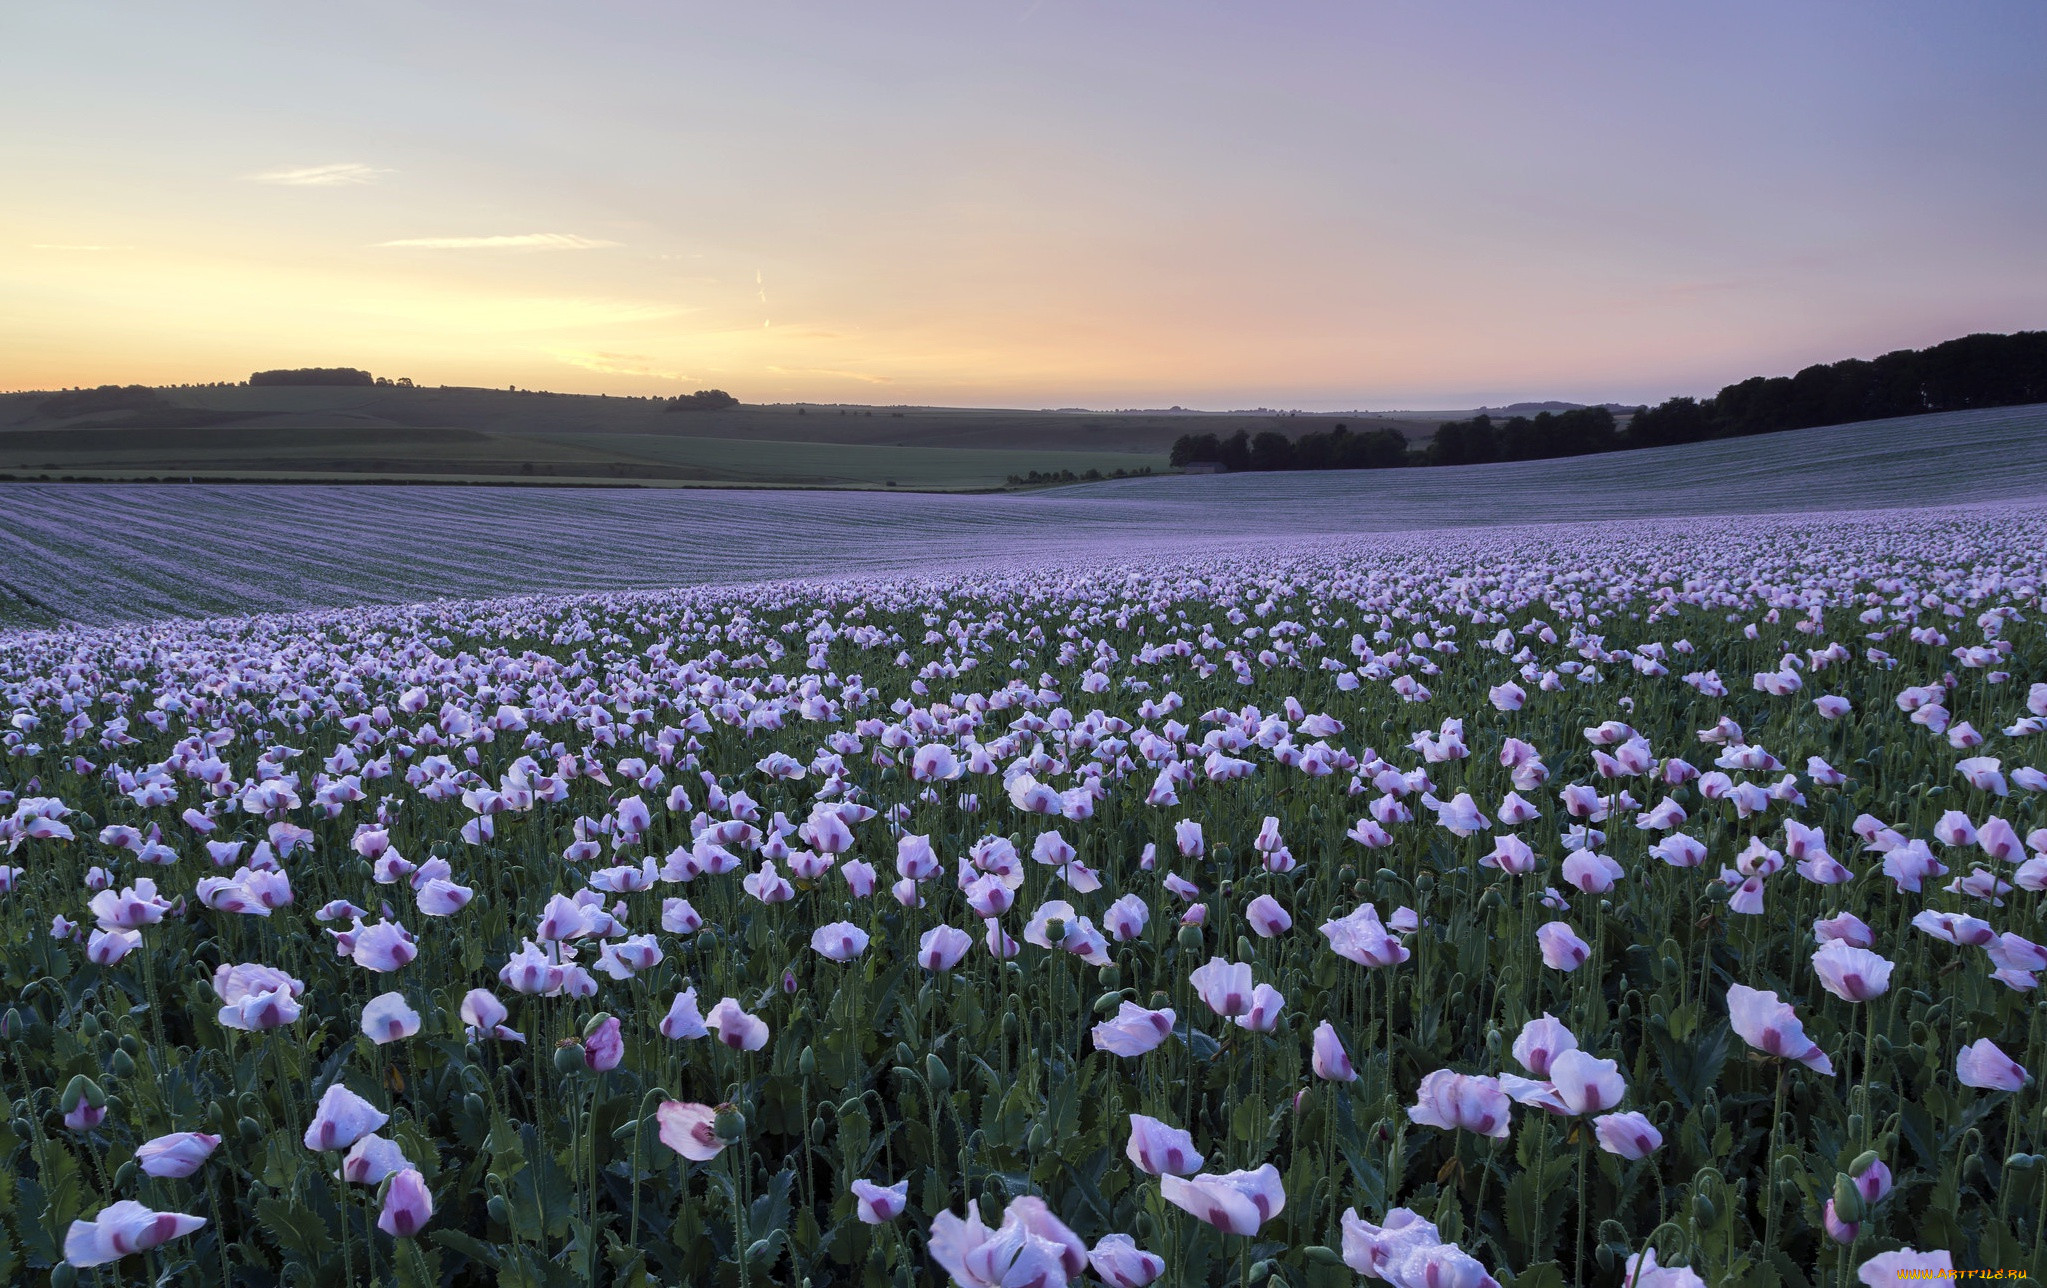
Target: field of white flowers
[(1624, 902)]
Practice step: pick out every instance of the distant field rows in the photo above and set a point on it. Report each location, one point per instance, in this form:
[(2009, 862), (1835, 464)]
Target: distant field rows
[(124, 552)]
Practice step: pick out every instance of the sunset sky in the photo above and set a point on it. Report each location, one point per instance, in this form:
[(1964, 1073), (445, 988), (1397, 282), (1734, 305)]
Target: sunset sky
[(1038, 203)]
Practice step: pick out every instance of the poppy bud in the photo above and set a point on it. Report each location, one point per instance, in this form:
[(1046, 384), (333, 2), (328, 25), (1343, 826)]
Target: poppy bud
[(936, 1075), (1260, 1272), (1322, 1256), (1847, 1199), (1492, 1041), (788, 981), (1222, 853), (730, 1124), (806, 1063), (1108, 1001), (499, 1210), (121, 1065), (1190, 939), (1035, 1141), (1010, 1025), (82, 1088), (250, 1130), (12, 1025), (89, 1027), (124, 1174), (594, 1023), (63, 1275), (131, 1044), (1867, 1159)]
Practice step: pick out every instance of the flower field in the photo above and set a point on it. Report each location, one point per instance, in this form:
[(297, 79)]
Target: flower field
[(1653, 903)]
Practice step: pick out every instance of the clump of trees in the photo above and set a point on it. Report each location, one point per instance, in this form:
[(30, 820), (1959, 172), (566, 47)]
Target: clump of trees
[(702, 400), (1336, 448), (1579, 432), (322, 376), (85, 402), (1973, 371), (1039, 478)]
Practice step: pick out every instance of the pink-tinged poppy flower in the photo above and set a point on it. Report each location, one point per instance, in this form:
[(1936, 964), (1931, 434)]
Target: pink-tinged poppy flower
[(176, 1155), (879, 1204), (1266, 1007), (1835, 1228), (1680, 851), (1561, 948), (442, 898), (943, 947), (1126, 918), (123, 1228), (1133, 1031), (1368, 833), (1443, 1265), (1629, 1135), (1233, 1202), (1001, 945), (1459, 815), (1772, 1027), (683, 1022), (603, 1045), (387, 1018), (1584, 1084), (1954, 828), (841, 941), (1030, 1249), (1873, 1181), (1911, 865), (371, 1159), (1187, 837), (1541, 1041), (1850, 973), (1845, 927), (1362, 938), (1591, 873), (935, 763), (1981, 1064), (1971, 932), (408, 1204), (1507, 697), (342, 1119), (1329, 1060), (991, 896), (735, 1028), (384, 947), (1470, 1102), (1120, 1263), (107, 947), (1511, 855), (1889, 1269), (1642, 1271), (690, 1129), (1267, 918), (1374, 1250), (1223, 986), (1999, 840), (1831, 707), (859, 875), (1159, 1150), (484, 1015)]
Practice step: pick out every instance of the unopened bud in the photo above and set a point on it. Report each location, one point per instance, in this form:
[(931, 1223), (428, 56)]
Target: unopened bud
[(730, 1124)]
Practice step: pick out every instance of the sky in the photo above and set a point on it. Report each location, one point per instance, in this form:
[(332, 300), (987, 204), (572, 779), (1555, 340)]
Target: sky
[(1030, 203)]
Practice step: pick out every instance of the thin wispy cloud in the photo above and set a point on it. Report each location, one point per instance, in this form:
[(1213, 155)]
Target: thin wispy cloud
[(516, 241), (72, 246), (620, 364), (337, 175)]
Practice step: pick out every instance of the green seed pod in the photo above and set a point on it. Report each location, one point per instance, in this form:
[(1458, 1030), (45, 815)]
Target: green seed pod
[(936, 1075), (1190, 939), (1847, 1199), (1361, 888), (1159, 1001), (1112, 976), (1425, 882), (569, 1059), (1055, 930), (730, 1124), (122, 1065), (499, 1210)]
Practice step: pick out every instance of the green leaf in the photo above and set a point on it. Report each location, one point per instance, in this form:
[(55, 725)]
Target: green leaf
[(467, 1245), (296, 1229)]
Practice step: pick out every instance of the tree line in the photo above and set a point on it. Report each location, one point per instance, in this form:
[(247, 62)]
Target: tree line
[(1971, 372)]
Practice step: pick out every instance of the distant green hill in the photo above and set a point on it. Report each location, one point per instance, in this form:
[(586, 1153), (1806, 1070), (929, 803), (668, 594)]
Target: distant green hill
[(361, 431)]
